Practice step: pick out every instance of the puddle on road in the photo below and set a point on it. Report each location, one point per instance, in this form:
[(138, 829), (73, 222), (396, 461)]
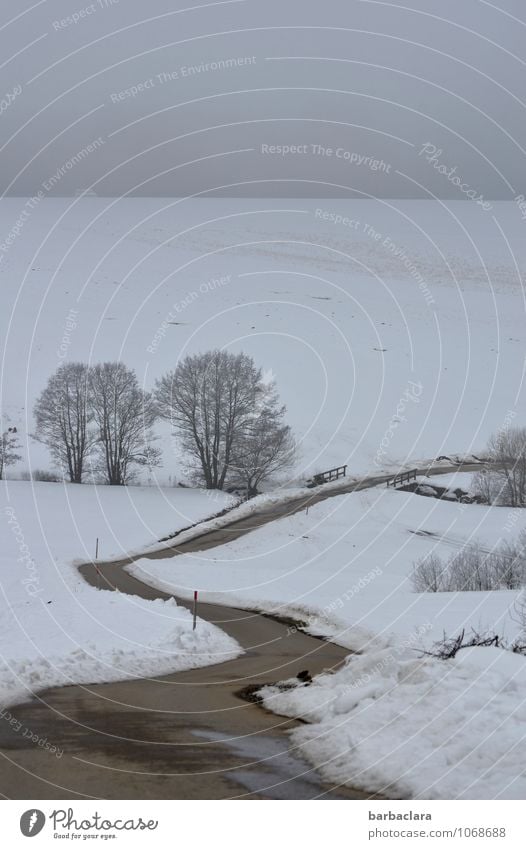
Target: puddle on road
[(270, 769)]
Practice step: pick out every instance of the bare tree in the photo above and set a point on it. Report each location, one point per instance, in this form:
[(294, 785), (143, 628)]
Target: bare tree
[(472, 570), (430, 575), (509, 564), (505, 483), (8, 449), (209, 399), (487, 484), (124, 415), (63, 416), (265, 446)]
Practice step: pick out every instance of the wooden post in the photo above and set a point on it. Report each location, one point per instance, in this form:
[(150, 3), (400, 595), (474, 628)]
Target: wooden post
[(195, 610), (95, 564)]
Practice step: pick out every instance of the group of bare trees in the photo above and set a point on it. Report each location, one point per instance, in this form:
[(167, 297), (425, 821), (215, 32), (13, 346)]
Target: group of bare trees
[(228, 419), (473, 569), (98, 419), (504, 482)]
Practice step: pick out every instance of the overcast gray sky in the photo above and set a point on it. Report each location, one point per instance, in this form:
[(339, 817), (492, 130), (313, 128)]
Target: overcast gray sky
[(264, 98)]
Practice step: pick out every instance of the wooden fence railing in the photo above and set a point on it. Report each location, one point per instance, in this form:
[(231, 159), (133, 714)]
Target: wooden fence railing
[(402, 477), (329, 475)]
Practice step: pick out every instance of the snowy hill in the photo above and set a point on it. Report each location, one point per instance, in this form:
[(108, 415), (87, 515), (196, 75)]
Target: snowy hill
[(349, 304)]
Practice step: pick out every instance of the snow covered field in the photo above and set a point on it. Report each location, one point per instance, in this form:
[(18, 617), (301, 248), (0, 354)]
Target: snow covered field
[(395, 331), (346, 564), (394, 339), (54, 628), (389, 721)]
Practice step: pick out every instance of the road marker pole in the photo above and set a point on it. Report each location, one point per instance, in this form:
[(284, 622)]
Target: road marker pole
[(95, 563), (195, 609)]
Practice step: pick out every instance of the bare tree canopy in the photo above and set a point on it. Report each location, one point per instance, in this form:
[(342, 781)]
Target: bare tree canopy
[(8, 449), (265, 446), (124, 415), (505, 483), (63, 414), (211, 400)]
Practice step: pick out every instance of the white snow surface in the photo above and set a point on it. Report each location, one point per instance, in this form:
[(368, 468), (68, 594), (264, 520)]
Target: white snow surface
[(55, 629), (463, 480), (338, 315), (407, 727)]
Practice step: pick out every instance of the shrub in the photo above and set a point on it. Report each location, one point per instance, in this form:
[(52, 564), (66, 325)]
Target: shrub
[(429, 575), (45, 476), (448, 647), (472, 569)]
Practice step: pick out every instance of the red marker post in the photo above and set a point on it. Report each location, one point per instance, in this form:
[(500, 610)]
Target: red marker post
[(195, 609)]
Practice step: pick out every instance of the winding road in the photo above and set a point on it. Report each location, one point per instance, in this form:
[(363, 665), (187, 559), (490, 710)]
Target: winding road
[(187, 735)]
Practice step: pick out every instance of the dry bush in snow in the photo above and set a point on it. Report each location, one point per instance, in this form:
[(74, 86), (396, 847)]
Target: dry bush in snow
[(472, 569)]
